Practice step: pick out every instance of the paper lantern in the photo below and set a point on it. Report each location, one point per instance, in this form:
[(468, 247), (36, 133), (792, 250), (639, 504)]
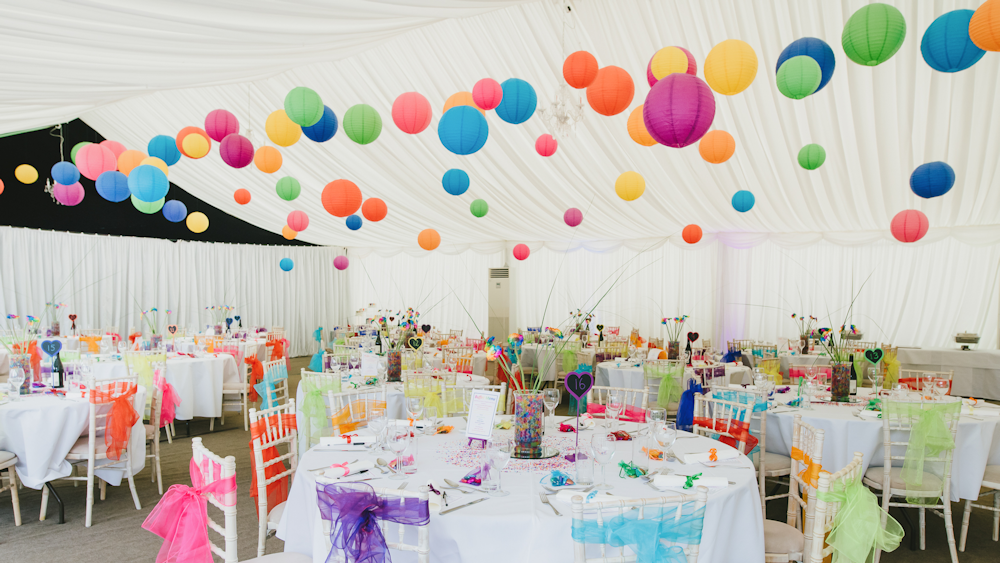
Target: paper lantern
[(298, 221), (288, 233), (743, 201), (69, 195), (812, 156), (153, 161), (148, 183), (184, 134), (93, 160), (678, 110), (873, 34), (341, 262), (196, 146), (730, 67), (219, 124), (799, 77), (65, 173), (455, 181), (669, 60), (479, 208), (717, 147), (242, 196), (353, 222), (580, 69), (148, 207), (518, 103), (637, 129), (932, 179), (820, 52), (362, 124), (946, 45), (573, 217), (546, 145), (76, 148), (164, 147), (909, 226), (521, 251), (324, 129), (129, 160), (462, 99), (411, 112), (611, 92), (113, 186), (267, 160), (174, 211), (630, 185), (463, 130), (281, 130), (197, 222), (236, 150), (341, 198), (487, 93), (374, 209), (114, 146), (286, 264), (984, 27), (288, 188), (691, 234), (303, 106), (428, 239), (26, 174)]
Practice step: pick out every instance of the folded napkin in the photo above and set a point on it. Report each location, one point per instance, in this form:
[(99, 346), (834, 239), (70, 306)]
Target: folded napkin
[(346, 440), (415, 424), (566, 496), (721, 454), (338, 470), (979, 411), (870, 415), (678, 482)]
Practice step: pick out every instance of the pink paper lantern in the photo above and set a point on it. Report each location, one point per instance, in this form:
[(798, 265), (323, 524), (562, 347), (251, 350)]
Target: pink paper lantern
[(521, 251), (298, 221), (678, 110), (341, 262), (411, 112), (220, 124), (68, 195), (692, 66), (573, 217), (115, 147), (93, 160), (909, 226), (487, 93), (546, 145), (236, 150)]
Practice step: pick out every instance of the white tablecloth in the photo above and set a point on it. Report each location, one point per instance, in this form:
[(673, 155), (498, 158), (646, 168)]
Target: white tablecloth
[(977, 372), (609, 374), (4, 363), (41, 429), (807, 360), (519, 527)]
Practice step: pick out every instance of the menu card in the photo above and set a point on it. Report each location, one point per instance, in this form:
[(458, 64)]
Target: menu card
[(482, 411), (369, 364)]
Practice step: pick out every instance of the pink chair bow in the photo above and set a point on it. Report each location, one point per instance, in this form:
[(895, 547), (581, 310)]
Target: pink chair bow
[(347, 470), (170, 401), (181, 517)]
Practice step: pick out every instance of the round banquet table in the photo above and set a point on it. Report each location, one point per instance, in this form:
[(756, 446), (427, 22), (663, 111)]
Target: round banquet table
[(531, 531), (628, 376), (977, 443)]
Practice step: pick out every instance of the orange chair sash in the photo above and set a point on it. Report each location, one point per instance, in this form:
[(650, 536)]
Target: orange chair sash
[(277, 349), (92, 342), (256, 376), (739, 430), (277, 491), (342, 421), (122, 416), (810, 474)]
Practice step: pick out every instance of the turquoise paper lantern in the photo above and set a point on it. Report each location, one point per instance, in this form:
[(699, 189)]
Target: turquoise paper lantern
[(743, 201), (519, 101), (463, 130), (113, 186), (455, 181), (148, 183), (286, 264), (946, 45), (164, 148)]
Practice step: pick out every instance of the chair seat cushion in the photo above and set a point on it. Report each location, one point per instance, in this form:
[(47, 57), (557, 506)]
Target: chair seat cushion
[(774, 462), (991, 478), (150, 431), (233, 387), (7, 458), (874, 475), (287, 557), (782, 538), (274, 516), (82, 445)]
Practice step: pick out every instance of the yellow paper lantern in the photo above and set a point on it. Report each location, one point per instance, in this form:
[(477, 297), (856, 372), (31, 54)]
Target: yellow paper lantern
[(630, 185), (730, 67), (26, 174), (637, 128), (461, 99), (157, 162), (281, 130), (197, 222), (668, 60), (195, 146), (267, 159)]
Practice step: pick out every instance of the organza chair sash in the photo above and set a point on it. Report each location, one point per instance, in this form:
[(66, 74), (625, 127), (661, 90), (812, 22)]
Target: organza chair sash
[(266, 388), (256, 375), (929, 435), (93, 343), (313, 405), (645, 537), (857, 529), (354, 510), (169, 401), (891, 367), (630, 414), (352, 416), (426, 387), (685, 409), (277, 491), (810, 474), (670, 382), (739, 430), (121, 417)]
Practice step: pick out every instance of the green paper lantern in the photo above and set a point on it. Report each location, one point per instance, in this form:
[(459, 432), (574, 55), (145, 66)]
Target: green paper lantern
[(288, 188), (479, 208), (873, 34), (76, 147), (812, 156), (149, 207), (362, 124), (303, 106), (799, 76)]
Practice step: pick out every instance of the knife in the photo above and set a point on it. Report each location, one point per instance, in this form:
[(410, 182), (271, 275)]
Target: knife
[(462, 506)]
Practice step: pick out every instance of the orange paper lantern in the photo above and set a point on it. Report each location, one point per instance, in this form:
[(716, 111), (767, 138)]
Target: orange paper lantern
[(462, 99), (717, 147), (691, 234), (267, 159), (341, 198), (129, 160), (611, 92), (242, 196), (428, 239), (374, 209), (984, 27), (637, 128), (288, 233), (580, 69)]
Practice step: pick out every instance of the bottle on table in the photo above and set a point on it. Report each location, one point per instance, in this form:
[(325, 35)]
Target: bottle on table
[(57, 373)]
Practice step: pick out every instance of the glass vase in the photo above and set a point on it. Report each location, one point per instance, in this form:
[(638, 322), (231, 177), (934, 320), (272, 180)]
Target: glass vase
[(673, 349), (529, 410), (394, 371), (155, 340), (55, 328), (840, 388), (23, 361)]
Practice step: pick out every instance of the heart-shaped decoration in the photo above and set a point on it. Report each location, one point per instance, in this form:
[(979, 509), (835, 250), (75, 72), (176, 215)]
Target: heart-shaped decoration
[(172, 329), (392, 319), (692, 336), (578, 383), (237, 317), (874, 355), (416, 342), (72, 318), (425, 328), (600, 328), (51, 347)]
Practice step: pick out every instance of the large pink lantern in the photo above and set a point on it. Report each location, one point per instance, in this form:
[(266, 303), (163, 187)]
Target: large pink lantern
[(678, 110), (220, 124), (68, 195), (521, 251), (298, 221), (573, 217), (115, 147), (909, 226), (236, 150), (487, 93), (411, 112), (341, 262), (94, 160)]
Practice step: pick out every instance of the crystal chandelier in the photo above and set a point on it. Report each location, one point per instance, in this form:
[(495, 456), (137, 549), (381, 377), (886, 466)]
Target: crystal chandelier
[(562, 115)]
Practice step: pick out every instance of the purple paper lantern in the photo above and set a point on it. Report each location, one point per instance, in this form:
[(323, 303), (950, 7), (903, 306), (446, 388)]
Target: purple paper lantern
[(573, 217), (341, 262), (679, 110), (68, 195), (220, 123), (236, 150)]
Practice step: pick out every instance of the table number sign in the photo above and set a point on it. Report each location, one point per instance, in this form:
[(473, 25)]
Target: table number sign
[(482, 412), (578, 384)]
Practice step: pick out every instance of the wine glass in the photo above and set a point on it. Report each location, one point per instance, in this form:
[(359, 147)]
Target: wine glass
[(603, 448), (900, 391), (381, 368), (431, 415), (941, 387), (15, 378), (354, 360), (415, 406), (334, 363), (927, 383), (452, 362), (665, 435), (499, 449), (613, 409), (377, 422), (552, 397), (398, 438)]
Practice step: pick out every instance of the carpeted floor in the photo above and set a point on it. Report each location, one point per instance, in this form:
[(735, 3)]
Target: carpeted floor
[(116, 533)]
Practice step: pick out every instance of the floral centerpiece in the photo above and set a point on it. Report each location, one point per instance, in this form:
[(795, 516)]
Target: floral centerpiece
[(584, 316), (850, 332), (52, 317), (840, 360), (674, 327), (152, 320), (21, 346), (807, 326), (218, 314)]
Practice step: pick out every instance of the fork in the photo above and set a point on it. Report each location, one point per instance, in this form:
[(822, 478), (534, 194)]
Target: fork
[(545, 500)]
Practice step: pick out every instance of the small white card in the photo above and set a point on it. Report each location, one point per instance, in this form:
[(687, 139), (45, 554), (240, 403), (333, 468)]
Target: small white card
[(369, 364), (482, 411)]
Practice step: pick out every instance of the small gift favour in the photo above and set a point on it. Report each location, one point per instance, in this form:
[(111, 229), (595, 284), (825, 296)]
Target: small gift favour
[(340, 470), (558, 479), (564, 427), (653, 454), (712, 455), (444, 429), (684, 482), (476, 476), (630, 470), (621, 435)]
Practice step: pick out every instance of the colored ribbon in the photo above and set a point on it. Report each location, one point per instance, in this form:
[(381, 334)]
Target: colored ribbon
[(690, 479), (646, 537), (685, 409), (858, 529), (92, 343), (121, 417), (670, 381), (739, 432), (313, 405), (275, 427), (352, 416), (629, 413), (181, 517), (810, 474), (929, 435), (169, 401), (256, 375)]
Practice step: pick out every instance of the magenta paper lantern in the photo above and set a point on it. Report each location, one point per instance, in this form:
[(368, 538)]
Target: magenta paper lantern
[(546, 145), (573, 217), (909, 226), (487, 93), (411, 112), (68, 195), (298, 221), (220, 124), (93, 160), (236, 150), (678, 110), (521, 251), (341, 262)]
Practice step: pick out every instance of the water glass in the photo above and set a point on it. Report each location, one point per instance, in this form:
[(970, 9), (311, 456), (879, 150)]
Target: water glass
[(415, 407), (603, 446), (552, 397), (377, 422), (398, 438), (665, 435), (941, 387), (432, 419), (499, 450), (15, 378), (613, 409)]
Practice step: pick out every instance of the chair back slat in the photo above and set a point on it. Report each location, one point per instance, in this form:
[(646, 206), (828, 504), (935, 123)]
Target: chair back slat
[(825, 512), (213, 468)]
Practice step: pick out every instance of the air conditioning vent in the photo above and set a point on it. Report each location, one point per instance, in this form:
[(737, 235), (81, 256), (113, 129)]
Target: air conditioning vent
[(499, 273)]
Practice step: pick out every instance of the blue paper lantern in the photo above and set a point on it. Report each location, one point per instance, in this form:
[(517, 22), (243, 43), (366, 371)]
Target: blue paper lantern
[(519, 101), (354, 222), (175, 211), (164, 147), (932, 179), (743, 201), (65, 173), (455, 181), (113, 186), (818, 50), (946, 45), (463, 130), (286, 264), (148, 183), (324, 129)]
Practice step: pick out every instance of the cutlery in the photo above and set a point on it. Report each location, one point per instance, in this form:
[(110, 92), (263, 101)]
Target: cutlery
[(403, 485), (444, 498), (545, 500), (383, 463), (455, 485), (555, 491), (481, 499)]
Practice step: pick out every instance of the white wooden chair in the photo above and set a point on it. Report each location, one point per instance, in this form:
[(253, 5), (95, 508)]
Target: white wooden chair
[(422, 548), (349, 409), (153, 435), (238, 391), (454, 397), (635, 398), (279, 394), (661, 508), (272, 427), (321, 384), (991, 481), (7, 461), (653, 373), (791, 540), (912, 377), (717, 418), (826, 511)]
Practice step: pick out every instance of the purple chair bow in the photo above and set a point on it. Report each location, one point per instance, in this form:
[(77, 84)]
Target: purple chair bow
[(354, 510)]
